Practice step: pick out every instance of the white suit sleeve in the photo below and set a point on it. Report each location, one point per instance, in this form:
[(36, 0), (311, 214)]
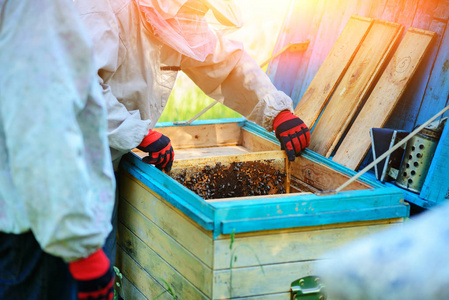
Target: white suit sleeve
[(392, 263), (125, 128), (232, 77), (53, 121)]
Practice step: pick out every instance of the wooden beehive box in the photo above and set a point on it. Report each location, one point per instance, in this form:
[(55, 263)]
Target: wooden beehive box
[(250, 247)]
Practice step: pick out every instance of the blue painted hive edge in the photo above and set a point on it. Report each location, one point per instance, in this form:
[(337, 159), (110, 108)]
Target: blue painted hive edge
[(189, 203)]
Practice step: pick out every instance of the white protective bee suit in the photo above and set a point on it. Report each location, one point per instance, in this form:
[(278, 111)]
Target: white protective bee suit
[(56, 176), (137, 69)]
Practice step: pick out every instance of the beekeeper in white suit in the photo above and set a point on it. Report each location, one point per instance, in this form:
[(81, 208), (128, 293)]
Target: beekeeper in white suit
[(56, 178), (142, 44)]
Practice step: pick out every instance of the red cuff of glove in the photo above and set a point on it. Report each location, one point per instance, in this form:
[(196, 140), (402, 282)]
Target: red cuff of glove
[(150, 138), (160, 150), (293, 134), (91, 267)]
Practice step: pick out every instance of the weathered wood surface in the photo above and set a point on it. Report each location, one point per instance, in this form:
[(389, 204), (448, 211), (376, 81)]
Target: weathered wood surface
[(149, 256), (184, 154), (427, 92), (437, 92), (322, 11), (250, 281), (354, 86), (273, 197), (301, 18), (296, 244), (427, 17), (128, 288), (160, 241), (164, 218), (201, 136), (279, 155), (332, 70), (319, 176), (322, 177), (384, 97), (436, 185), (178, 273), (138, 277)]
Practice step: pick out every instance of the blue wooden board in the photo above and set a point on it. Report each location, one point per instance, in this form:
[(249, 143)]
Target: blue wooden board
[(176, 194), (283, 70), (272, 213), (437, 91), (436, 186)]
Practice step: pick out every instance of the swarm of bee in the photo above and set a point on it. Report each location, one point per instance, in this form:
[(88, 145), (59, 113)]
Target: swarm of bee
[(239, 179)]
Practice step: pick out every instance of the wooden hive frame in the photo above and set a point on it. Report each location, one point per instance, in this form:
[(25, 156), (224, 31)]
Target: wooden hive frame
[(170, 235)]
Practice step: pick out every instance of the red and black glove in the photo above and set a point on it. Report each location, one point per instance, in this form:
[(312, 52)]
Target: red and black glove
[(160, 151), (293, 134), (94, 277)]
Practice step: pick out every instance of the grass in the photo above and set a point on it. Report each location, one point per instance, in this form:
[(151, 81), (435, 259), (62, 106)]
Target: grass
[(262, 23), (186, 100)]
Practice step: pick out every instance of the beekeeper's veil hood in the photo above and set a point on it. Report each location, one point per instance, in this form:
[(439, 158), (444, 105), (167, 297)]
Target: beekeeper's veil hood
[(188, 26)]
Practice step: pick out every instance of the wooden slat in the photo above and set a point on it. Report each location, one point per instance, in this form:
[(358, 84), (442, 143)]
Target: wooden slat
[(277, 296), (256, 143), (408, 10), (177, 276), (302, 68), (377, 8), (273, 197), (182, 154), (437, 91), (322, 177), (228, 159), (135, 274), (192, 153), (187, 232), (162, 243), (390, 11), (441, 12), (383, 98), (354, 86), (282, 71), (254, 281), (318, 175), (332, 70), (355, 7), (129, 291), (405, 114), (322, 41), (201, 136), (286, 247)]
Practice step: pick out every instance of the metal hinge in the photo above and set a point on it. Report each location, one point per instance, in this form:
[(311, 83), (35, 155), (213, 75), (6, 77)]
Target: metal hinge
[(307, 288)]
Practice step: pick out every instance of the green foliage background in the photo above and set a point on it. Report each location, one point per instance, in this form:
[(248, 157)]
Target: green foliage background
[(262, 23), (186, 101)]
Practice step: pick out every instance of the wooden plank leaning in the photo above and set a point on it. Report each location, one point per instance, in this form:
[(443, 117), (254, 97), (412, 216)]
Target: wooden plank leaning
[(354, 86), (332, 69), (384, 97)]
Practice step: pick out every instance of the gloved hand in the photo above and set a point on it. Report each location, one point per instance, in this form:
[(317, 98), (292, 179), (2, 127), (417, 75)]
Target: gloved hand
[(160, 151), (293, 134), (94, 277)]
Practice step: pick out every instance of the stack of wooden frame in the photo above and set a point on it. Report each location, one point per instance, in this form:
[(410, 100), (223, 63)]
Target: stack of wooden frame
[(358, 86)]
